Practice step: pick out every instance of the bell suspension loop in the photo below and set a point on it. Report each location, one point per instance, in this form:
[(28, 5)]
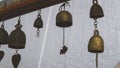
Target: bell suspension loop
[(95, 1), (63, 6), (19, 24), (39, 13), (96, 60), (16, 51)]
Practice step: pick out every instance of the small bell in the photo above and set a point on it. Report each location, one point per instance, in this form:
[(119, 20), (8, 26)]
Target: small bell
[(96, 43), (38, 22), (96, 10), (17, 38), (3, 35)]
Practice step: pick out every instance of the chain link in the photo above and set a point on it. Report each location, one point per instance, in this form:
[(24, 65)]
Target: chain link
[(96, 25), (38, 33)]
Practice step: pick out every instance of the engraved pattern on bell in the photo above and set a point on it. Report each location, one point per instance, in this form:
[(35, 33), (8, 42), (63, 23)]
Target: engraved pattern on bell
[(64, 19), (96, 43)]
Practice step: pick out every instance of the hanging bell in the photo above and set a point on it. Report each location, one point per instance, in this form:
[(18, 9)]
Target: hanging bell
[(64, 19), (96, 10), (17, 38), (96, 43), (38, 22), (3, 35)]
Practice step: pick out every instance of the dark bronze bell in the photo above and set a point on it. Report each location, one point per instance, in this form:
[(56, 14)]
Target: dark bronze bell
[(96, 43), (16, 60), (64, 19), (3, 35), (38, 22), (1, 55), (17, 38), (96, 10)]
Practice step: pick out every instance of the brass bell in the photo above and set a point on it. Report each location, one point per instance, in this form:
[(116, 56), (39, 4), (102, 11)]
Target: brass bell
[(96, 43), (38, 22), (3, 35), (17, 38), (96, 10), (64, 19)]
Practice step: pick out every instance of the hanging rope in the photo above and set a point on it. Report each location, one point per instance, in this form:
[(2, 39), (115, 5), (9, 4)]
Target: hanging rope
[(63, 36)]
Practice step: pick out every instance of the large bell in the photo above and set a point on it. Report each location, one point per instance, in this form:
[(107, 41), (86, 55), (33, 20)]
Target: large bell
[(3, 35), (96, 10), (96, 43), (64, 19), (17, 38)]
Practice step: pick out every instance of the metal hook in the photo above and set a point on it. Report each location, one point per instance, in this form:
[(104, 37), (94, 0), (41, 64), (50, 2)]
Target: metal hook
[(63, 6), (16, 51)]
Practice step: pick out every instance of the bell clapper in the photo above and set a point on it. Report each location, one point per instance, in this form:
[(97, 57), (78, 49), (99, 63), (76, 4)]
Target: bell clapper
[(96, 60), (64, 48)]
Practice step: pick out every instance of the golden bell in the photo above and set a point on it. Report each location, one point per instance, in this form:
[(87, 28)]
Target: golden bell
[(96, 11), (96, 43), (64, 19), (17, 38)]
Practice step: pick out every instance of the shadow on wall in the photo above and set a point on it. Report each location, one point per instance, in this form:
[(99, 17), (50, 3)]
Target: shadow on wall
[(117, 65)]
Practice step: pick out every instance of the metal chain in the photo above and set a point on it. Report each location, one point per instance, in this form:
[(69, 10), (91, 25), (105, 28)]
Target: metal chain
[(38, 33), (16, 51), (39, 13), (96, 24)]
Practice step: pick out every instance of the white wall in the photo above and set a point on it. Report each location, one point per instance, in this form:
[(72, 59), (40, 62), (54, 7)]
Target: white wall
[(77, 38)]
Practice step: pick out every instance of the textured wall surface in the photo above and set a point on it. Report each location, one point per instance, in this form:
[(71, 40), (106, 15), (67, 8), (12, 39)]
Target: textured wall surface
[(43, 52)]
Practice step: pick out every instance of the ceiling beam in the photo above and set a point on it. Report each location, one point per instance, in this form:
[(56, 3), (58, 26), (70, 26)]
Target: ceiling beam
[(25, 6)]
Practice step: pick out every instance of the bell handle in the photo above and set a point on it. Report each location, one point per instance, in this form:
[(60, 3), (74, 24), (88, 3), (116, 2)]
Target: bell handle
[(39, 13), (95, 2), (96, 32)]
